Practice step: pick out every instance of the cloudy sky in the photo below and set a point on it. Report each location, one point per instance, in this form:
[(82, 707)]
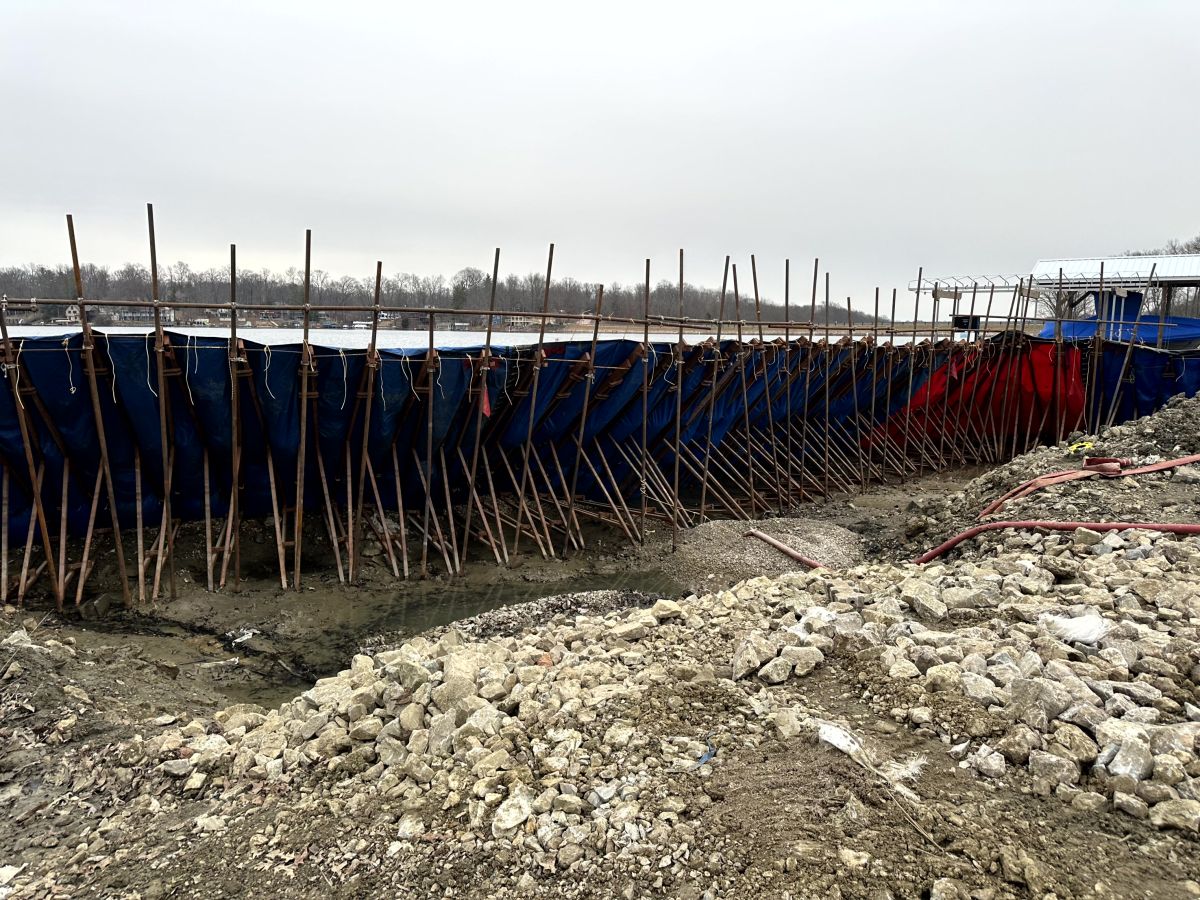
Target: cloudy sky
[(966, 137)]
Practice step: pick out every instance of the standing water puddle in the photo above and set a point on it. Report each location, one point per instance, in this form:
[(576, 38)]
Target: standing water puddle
[(424, 605), (282, 642)]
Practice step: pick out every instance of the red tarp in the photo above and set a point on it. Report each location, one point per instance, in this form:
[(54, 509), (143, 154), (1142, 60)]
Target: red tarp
[(1025, 393)]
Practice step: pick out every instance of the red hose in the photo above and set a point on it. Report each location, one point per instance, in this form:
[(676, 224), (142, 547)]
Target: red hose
[(1103, 466), (1172, 527)]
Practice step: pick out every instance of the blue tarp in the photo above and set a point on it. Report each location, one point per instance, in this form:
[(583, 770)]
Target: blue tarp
[(1143, 330), (404, 405)]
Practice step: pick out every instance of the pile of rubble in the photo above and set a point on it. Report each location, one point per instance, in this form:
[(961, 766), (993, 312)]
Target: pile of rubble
[(1062, 665)]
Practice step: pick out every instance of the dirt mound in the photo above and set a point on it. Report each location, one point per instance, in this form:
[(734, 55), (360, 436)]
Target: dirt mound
[(718, 554)]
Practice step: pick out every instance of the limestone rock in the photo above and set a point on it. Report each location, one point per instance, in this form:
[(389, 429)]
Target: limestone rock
[(1181, 814), (510, 814), (751, 654), (803, 659), (776, 671)]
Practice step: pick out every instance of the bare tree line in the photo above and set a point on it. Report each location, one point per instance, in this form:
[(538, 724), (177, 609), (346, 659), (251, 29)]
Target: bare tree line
[(469, 288), (1184, 301)]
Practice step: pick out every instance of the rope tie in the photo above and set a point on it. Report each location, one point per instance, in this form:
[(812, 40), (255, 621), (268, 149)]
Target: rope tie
[(17, 366), (407, 366), (267, 371), (70, 366), (345, 377), (187, 364), (111, 365), (148, 385)]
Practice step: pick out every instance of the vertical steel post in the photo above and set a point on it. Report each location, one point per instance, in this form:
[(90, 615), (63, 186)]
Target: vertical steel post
[(533, 393), (787, 366), (766, 383), (165, 541), (737, 307), (483, 402), (89, 365), (234, 514), (678, 411), (646, 356), (589, 380), (828, 373), (10, 365), (372, 364), (712, 390), (305, 366)]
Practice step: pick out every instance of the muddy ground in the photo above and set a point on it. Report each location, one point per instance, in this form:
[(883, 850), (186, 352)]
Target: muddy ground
[(282, 641), (776, 817)]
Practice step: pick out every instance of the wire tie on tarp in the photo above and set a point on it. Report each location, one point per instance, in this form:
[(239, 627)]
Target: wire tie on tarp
[(70, 366), (267, 371), (345, 377), (148, 385)]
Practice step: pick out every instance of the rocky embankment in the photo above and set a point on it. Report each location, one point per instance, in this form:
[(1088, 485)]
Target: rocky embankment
[(1167, 496), (1020, 719)]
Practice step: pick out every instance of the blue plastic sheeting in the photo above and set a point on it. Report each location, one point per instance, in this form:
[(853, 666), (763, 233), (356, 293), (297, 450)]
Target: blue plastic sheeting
[(549, 380), (1151, 378), (420, 421), (1143, 330)]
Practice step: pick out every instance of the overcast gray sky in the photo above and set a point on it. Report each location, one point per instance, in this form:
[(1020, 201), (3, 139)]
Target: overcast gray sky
[(967, 137)]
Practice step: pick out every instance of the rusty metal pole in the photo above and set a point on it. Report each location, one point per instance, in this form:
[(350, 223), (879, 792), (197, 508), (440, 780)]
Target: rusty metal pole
[(712, 391), (888, 369), (678, 411), (372, 366), (911, 365), (737, 307), (875, 389), (767, 384), (646, 356), (1016, 346), (305, 367), (862, 477), (533, 393), (483, 403), (89, 365), (26, 442), (981, 340), (234, 536), (4, 536), (589, 378), (431, 362), (787, 366), (1097, 355), (809, 364), (165, 541), (828, 372)]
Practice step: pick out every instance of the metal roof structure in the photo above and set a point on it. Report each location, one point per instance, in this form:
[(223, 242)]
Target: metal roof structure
[(1083, 273), (1180, 270)]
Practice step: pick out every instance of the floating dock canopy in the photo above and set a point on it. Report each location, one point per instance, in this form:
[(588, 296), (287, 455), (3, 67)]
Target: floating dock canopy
[(1136, 272)]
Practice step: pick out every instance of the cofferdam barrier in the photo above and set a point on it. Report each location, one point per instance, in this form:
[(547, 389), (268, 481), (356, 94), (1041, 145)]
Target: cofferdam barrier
[(432, 448), (433, 452)]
